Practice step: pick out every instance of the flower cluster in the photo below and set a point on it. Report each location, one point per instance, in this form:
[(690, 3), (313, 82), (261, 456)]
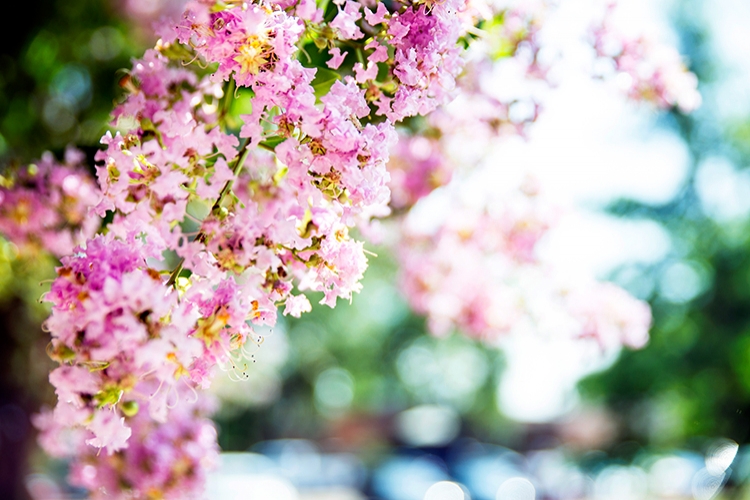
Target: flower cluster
[(408, 61), (426, 58), (122, 339), (45, 205), (644, 69), (418, 166), (475, 266), (217, 215), (163, 460), (328, 168), (148, 174), (290, 219), (477, 269), (483, 109)]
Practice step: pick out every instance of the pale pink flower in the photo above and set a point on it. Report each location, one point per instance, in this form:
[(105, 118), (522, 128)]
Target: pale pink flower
[(109, 430)]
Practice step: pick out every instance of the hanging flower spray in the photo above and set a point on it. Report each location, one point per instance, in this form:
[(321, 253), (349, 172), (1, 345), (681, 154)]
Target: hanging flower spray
[(252, 139)]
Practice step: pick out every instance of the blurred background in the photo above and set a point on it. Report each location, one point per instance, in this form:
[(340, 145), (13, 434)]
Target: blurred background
[(360, 402)]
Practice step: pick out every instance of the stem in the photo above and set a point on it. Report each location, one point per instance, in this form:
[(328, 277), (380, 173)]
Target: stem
[(242, 156), (175, 273), (226, 100)]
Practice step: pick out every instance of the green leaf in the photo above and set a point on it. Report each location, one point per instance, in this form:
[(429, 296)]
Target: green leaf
[(324, 79), (272, 142)]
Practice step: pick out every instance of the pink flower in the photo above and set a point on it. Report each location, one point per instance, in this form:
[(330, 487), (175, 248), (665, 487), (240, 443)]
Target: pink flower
[(363, 74), (166, 460), (378, 16), (346, 21), (645, 69), (296, 305), (71, 382), (110, 432), (380, 54), (476, 270), (336, 58)]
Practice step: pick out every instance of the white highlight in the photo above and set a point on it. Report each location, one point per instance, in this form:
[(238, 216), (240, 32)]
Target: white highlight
[(516, 488), (252, 487), (720, 456), (445, 490), (428, 425)]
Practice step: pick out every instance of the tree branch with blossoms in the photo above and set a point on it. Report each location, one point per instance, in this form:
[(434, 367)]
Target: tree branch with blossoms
[(252, 140)]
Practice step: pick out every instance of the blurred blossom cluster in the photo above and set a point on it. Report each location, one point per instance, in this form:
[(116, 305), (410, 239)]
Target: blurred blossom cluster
[(167, 460), (475, 269), (45, 205), (643, 68), (470, 252)]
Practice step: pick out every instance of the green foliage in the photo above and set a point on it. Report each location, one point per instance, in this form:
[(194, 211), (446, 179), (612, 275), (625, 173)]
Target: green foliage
[(57, 85)]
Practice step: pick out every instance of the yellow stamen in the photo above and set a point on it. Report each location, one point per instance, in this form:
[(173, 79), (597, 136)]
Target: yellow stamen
[(252, 55)]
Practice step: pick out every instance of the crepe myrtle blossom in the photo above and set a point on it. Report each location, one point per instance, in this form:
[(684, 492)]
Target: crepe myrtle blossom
[(426, 58), (476, 269), (162, 460), (644, 68), (121, 338), (210, 235), (45, 205), (418, 166), (414, 47), (304, 198)]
